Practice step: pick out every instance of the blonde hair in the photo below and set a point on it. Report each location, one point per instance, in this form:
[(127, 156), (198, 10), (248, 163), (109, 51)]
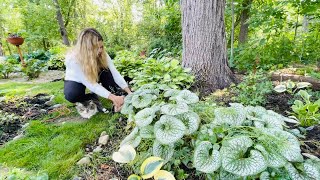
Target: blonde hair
[(86, 51)]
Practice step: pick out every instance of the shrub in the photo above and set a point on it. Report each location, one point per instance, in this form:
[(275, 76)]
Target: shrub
[(33, 68)]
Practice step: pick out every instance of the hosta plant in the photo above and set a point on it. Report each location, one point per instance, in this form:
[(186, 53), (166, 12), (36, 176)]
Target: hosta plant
[(307, 112), (163, 71), (290, 86)]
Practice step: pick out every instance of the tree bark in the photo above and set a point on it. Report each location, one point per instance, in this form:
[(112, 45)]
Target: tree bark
[(204, 44), (63, 30), (244, 17)]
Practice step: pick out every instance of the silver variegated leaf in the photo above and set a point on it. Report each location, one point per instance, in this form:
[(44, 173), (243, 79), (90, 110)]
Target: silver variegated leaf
[(147, 132), (268, 121), (254, 113), (164, 151), (229, 115), (132, 139), (144, 117), (234, 161), (169, 129), (191, 120), (188, 97), (171, 93), (142, 100), (205, 161), (225, 175), (296, 175), (272, 158), (174, 109), (265, 175), (127, 108)]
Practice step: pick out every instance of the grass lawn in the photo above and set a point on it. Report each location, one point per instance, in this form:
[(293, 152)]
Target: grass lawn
[(49, 147)]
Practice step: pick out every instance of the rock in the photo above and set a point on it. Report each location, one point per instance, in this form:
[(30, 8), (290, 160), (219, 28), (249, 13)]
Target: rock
[(77, 178), (36, 105), (51, 98), (103, 139), (25, 125), (103, 133), (18, 137), (55, 106), (2, 99), (43, 110), (48, 103), (97, 149), (84, 161)]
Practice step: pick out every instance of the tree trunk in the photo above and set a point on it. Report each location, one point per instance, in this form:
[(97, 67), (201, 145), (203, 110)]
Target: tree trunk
[(244, 17), (63, 30), (204, 44)]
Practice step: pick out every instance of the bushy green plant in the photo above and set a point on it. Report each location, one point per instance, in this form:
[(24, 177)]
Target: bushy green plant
[(33, 68), (164, 71), (56, 62), (128, 64), (17, 174), (239, 142), (253, 89), (7, 67), (306, 112)]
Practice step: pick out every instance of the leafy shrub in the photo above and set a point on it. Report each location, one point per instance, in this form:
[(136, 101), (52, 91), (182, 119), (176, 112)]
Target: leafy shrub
[(128, 64), (306, 112), (253, 89), (7, 67), (33, 68), (239, 142), (57, 57), (163, 71)]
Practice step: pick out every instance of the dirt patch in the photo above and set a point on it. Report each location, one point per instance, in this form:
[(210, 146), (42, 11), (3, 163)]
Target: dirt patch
[(311, 144), (279, 102), (14, 114), (48, 76)]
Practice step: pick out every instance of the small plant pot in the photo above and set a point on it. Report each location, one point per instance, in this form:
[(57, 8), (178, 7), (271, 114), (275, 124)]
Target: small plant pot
[(17, 41)]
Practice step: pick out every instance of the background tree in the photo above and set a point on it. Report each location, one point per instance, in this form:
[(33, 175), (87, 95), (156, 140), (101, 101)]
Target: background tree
[(204, 44), (60, 20)]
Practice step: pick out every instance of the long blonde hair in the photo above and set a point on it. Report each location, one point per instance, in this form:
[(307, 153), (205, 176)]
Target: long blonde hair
[(86, 51)]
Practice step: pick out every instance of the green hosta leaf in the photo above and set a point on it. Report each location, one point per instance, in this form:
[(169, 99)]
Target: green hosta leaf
[(301, 85), (164, 151), (288, 144), (272, 158), (169, 129), (186, 96), (163, 175), (125, 154), (229, 115), (290, 84), (304, 94), (204, 160), (174, 109), (134, 177), (146, 132), (132, 139), (144, 117), (234, 161), (171, 93), (142, 100), (150, 167), (280, 88), (191, 120)]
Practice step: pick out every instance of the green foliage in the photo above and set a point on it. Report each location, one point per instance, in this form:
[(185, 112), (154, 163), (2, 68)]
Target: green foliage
[(16, 173), (128, 64), (7, 67), (306, 112), (291, 87), (163, 71), (33, 68), (253, 89)]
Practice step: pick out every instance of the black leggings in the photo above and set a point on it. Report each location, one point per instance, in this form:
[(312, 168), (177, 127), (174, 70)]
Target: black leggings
[(75, 92)]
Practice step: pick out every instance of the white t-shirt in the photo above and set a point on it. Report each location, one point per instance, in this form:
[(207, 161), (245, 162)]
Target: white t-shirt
[(74, 73)]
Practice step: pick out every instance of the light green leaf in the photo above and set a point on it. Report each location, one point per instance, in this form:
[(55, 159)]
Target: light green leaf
[(142, 100), (147, 132), (186, 96), (301, 85), (144, 117), (164, 151), (171, 93), (191, 120), (150, 167), (205, 161), (174, 109), (125, 154), (132, 139), (280, 88), (169, 129), (229, 115)]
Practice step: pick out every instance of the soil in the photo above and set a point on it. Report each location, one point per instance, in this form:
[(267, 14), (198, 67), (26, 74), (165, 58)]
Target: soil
[(48, 76), (278, 102), (25, 109), (311, 144)]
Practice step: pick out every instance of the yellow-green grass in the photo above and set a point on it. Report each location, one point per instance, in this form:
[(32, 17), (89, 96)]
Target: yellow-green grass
[(52, 148)]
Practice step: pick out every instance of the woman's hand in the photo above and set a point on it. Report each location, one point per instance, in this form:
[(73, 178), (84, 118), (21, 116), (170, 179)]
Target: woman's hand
[(117, 101)]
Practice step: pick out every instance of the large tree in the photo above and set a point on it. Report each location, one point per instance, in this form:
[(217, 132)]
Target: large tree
[(63, 30), (204, 44)]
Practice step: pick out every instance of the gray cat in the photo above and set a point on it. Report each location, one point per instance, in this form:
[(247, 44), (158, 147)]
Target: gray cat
[(87, 109)]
